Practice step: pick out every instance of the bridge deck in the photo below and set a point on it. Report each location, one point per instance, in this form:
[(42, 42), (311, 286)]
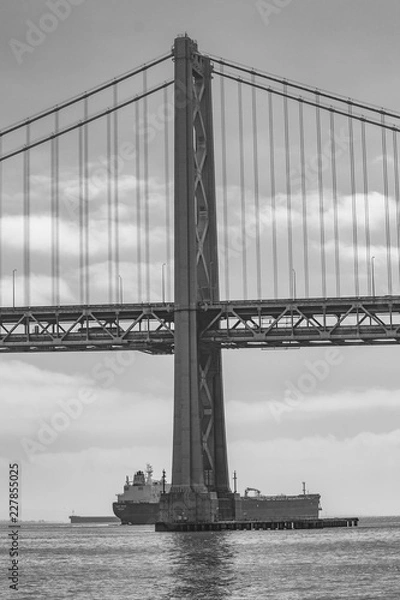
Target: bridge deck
[(238, 324)]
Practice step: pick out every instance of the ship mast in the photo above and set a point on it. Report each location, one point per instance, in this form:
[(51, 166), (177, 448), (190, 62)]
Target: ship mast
[(149, 472)]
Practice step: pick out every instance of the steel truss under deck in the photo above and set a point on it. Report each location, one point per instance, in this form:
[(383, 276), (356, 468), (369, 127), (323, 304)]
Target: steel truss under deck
[(240, 324)]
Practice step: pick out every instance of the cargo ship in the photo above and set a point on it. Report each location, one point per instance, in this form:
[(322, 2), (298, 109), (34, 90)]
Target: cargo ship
[(76, 519), (139, 502)]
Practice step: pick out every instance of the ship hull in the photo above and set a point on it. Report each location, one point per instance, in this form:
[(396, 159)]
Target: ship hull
[(273, 508), (277, 508), (136, 513), (76, 519)]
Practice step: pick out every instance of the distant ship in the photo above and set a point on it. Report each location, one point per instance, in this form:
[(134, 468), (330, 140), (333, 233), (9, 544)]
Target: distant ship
[(139, 502), (78, 519)]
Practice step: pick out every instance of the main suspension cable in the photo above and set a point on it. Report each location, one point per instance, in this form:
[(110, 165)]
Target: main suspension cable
[(325, 107), (306, 88), (85, 95), (84, 122)]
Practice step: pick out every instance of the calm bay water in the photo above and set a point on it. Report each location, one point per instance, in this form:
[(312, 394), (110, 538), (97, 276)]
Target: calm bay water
[(113, 562)]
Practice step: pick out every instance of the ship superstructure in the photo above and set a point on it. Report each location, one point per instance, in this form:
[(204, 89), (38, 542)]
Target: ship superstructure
[(139, 502)]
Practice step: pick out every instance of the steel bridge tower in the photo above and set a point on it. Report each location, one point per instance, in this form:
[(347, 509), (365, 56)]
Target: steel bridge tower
[(200, 488)]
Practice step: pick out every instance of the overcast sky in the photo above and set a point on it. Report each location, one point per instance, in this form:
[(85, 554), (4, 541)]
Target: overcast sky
[(343, 436)]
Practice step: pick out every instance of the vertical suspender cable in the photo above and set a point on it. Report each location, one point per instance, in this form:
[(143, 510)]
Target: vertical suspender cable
[(167, 199), (288, 194), (138, 208), (242, 191), (256, 190), (335, 203), (1, 222), (224, 186), (116, 196), (56, 248), (366, 208), (353, 202), (53, 219), (387, 207), (111, 277), (273, 191), (86, 199), (146, 189), (26, 242), (321, 196), (81, 219), (304, 200), (397, 193)]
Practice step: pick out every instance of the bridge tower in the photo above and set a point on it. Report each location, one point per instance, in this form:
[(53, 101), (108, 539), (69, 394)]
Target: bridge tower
[(200, 488)]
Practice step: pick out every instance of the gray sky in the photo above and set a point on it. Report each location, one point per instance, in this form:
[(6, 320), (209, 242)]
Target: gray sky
[(343, 436)]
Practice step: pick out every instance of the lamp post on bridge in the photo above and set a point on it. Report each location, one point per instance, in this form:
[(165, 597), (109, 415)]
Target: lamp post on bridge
[(14, 286), (163, 266), (294, 283), (373, 275), (121, 290)]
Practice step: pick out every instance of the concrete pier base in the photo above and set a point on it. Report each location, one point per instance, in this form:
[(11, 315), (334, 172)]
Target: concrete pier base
[(186, 505), (256, 525)]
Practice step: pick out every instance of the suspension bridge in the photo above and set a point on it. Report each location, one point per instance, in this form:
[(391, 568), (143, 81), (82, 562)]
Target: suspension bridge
[(194, 205)]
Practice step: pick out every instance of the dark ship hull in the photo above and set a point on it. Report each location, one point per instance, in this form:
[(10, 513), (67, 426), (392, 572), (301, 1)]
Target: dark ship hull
[(260, 508), (140, 513), (76, 519), (280, 508)]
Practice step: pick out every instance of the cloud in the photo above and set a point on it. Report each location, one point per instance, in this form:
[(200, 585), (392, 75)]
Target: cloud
[(54, 412), (311, 407), (33, 377)]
